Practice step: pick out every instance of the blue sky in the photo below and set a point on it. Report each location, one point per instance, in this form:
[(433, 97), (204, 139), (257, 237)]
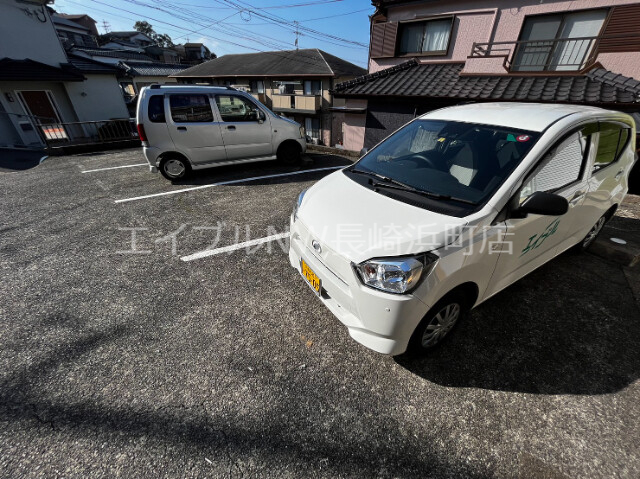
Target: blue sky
[(340, 27)]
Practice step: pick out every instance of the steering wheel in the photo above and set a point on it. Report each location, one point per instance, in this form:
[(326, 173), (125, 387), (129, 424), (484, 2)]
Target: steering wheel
[(425, 159)]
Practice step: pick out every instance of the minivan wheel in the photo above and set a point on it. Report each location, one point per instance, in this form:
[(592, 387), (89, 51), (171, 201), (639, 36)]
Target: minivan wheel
[(289, 153), (593, 233), (438, 323), (174, 168)]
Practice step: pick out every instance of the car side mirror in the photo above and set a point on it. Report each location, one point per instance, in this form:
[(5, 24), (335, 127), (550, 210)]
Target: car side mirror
[(261, 116), (542, 203), (363, 152)]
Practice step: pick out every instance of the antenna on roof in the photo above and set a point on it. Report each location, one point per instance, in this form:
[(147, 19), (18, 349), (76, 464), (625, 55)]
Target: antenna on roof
[(105, 26)]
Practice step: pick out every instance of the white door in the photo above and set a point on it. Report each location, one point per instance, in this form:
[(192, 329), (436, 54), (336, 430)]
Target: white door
[(246, 129), (537, 238), (193, 128)]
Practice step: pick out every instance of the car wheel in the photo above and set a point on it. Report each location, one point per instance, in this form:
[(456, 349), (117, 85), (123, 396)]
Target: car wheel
[(593, 233), (174, 168), (289, 153), (438, 323)]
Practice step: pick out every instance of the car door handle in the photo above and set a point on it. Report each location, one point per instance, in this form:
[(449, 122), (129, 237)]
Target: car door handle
[(619, 174), (577, 197), (231, 127), (182, 128)]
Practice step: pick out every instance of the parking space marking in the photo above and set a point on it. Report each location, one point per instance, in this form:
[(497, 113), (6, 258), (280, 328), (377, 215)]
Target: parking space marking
[(114, 167), (225, 249), (221, 183)]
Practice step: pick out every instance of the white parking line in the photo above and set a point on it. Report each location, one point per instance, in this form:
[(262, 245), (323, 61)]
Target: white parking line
[(115, 167), (231, 182), (233, 247)]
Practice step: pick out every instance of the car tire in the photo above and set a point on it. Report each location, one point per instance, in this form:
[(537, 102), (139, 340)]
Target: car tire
[(438, 323), (592, 234), (175, 168), (289, 153)]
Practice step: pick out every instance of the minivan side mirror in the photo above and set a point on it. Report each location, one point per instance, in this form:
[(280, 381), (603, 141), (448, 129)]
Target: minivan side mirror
[(261, 116), (363, 152), (542, 203)]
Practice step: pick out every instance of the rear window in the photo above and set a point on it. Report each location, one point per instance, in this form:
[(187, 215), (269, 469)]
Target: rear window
[(613, 139), (156, 109), (191, 108)]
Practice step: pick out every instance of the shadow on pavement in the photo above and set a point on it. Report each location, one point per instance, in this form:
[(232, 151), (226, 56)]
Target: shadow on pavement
[(263, 168), (18, 160), (571, 327)]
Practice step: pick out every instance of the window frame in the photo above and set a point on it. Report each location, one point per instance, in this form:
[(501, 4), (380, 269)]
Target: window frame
[(562, 15), (425, 20)]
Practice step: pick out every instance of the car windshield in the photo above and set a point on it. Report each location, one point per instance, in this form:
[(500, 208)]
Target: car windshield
[(458, 161)]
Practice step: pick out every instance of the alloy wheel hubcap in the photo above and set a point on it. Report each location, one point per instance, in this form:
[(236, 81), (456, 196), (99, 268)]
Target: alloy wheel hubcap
[(440, 325), (174, 168), (594, 232)]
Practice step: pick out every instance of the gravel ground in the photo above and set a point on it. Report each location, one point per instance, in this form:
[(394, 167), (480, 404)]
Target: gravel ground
[(116, 363)]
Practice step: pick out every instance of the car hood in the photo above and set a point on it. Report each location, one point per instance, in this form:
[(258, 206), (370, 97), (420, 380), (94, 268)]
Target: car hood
[(360, 224)]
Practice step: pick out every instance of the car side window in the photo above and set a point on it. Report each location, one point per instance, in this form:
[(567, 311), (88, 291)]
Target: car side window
[(234, 109), (561, 167), (613, 137), (190, 108), (156, 109)]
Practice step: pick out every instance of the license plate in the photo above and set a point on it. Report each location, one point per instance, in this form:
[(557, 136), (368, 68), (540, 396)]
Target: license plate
[(310, 276)]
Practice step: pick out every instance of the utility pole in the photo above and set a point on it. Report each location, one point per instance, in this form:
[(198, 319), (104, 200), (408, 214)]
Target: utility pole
[(105, 26), (297, 34)]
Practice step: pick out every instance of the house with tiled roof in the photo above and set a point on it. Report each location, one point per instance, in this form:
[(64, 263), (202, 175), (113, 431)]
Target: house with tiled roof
[(294, 83), (431, 54), (41, 87)]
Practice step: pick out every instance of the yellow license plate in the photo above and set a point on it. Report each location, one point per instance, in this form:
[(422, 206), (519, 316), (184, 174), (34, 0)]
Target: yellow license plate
[(310, 276)]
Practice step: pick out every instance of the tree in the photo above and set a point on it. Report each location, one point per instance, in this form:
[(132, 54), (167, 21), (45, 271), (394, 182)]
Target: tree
[(162, 39)]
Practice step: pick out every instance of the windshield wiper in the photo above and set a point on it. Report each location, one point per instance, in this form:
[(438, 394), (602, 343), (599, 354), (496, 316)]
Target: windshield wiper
[(395, 185), (392, 184)]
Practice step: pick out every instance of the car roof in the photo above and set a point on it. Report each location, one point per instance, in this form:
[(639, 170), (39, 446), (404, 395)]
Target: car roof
[(521, 116)]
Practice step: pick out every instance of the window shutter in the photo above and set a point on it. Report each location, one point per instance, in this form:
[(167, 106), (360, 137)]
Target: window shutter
[(383, 39), (622, 28)]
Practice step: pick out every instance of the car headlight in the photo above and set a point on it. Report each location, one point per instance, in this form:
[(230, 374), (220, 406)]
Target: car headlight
[(297, 204), (395, 275), (302, 132)]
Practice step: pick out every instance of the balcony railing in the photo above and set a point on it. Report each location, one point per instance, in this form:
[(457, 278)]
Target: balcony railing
[(303, 103), (562, 54)]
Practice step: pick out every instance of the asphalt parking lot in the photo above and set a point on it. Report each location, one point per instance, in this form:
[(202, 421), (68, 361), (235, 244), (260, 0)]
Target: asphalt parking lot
[(127, 352)]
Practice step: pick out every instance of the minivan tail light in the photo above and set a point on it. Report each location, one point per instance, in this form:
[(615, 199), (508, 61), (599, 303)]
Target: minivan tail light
[(141, 133)]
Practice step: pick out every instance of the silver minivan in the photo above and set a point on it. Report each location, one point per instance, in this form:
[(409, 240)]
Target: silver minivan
[(191, 127)]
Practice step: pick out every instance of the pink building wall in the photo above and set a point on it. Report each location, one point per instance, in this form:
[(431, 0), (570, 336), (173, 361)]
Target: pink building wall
[(498, 20)]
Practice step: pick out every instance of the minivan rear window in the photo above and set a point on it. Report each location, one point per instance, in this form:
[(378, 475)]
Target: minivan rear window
[(156, 109), (190, 108)]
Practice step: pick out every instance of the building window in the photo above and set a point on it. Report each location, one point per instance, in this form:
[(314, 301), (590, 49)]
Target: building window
[(190, 108), (128, 90), (256, 86), (558, 42), (428, 37), (312, 127), (313, 87)]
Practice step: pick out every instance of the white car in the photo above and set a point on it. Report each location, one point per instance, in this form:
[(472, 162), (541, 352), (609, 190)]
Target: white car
[(192, 127), (451, 209)]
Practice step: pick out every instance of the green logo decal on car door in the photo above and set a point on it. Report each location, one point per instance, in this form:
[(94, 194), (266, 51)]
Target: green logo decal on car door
[(536, 240)]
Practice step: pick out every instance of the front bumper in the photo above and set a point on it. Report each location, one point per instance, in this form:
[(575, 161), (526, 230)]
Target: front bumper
[(380, 321)]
